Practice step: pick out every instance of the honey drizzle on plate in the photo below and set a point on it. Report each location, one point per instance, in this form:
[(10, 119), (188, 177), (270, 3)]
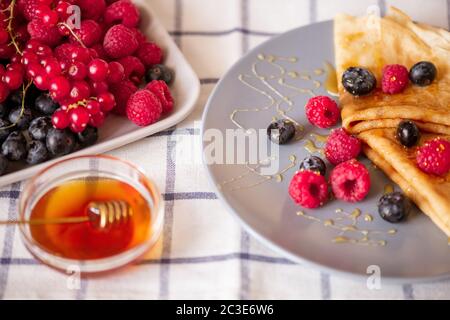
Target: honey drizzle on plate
[(351, 232), (278, 177), (282, 103), (312, 146)]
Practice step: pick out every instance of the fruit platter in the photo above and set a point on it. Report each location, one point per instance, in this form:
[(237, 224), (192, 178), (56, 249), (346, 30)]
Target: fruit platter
[(84, 81), (355, 167)]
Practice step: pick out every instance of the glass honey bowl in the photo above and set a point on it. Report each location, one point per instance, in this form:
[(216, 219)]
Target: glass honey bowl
[(65, 190)]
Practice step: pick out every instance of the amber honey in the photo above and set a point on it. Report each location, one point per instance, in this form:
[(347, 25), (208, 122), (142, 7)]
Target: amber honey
[(85, 241)]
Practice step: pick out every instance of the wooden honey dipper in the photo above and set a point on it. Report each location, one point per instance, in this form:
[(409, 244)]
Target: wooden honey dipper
[(100, 214)]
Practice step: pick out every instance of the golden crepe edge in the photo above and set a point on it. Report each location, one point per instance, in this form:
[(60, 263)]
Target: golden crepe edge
[(372, 42)]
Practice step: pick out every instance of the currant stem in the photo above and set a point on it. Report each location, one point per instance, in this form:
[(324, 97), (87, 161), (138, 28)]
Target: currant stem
[(72, 33)]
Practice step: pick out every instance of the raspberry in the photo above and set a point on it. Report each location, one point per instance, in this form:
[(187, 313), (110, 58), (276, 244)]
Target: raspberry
[(64, 51), (350, 181), (322, 112), (149, 53), (28, 8), (123, 12), (395, 78), (434, 157), (133, 68), (44, 34), (308, 189), (91, 9), (140, 37), (89, 33), (341, 146), (143, 108), (119, 42), (122, 92), (161, 90)]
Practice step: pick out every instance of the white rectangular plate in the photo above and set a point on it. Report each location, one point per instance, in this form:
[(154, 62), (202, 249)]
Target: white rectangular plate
[(119, 131)]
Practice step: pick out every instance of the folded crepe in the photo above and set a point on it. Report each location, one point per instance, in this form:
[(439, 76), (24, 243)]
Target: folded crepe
[(372, 42), (430, 193)]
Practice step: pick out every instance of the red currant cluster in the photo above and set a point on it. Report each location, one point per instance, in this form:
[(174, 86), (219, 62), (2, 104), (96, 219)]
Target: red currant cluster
[(87, 70)]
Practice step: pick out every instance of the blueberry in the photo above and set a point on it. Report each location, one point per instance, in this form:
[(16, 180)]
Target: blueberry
[(408, 133), (15, 146), (4, 133), (358, 81), (88, 137), (313, 163), (3, 164), (37, 153), (21, 119), (423, 73), (159, 72), (45, 104), (60, 142), (281, 131), (39, 128), (394, 207)]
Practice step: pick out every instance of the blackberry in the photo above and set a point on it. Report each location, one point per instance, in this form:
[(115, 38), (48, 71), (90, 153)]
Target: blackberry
[(394, 207), (88, 137), (37, 153), (313, 163), (45, 104), (423, 73), (60, 142), (21, 119), (281, 131), (358, 81), (39, 128), (408, 133), (159, 72), (15, 146), (3, 164)]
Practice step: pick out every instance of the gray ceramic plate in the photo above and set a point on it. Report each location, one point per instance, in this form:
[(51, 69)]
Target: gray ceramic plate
[(417, 250)]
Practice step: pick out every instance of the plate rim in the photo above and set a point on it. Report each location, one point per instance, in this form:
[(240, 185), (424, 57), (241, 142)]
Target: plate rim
[(108, 145), (260, 237)]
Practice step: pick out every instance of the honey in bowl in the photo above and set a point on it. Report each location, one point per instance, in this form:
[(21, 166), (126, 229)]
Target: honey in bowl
[(86, 240)]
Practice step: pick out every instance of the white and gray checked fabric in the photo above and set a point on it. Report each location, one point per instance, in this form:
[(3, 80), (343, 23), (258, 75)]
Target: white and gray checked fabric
[(204, 253)]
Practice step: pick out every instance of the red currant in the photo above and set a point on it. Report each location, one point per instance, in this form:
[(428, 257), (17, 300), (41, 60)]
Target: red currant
[(97, 119), (99, 87), (77, 71), (4, 92), (62, 9), (29, 57), (80, 54), (41, 81), (59, 87), (16, 66), (63, 30), (52, 67), (43, 51), (60, 119), (93, 107), (2, 70), (4, 36), (13, 79), (79, 118), (116, 72), (98, 70), (107, 101), (80, 91), (47, 16), (33, 69)]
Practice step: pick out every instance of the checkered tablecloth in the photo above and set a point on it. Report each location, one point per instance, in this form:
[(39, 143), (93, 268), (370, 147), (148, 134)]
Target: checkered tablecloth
[(204, 253)]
